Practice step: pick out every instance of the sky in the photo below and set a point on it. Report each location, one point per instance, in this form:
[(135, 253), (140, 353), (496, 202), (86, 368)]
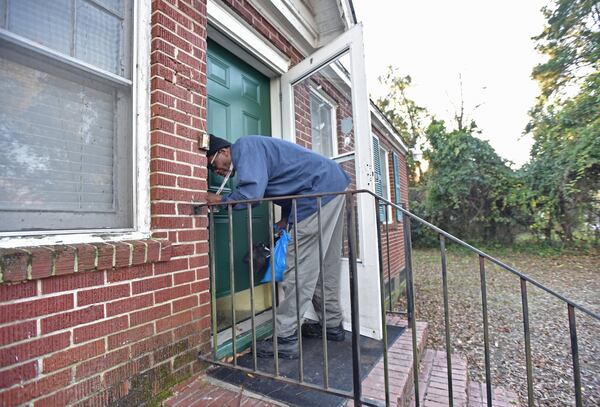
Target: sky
[(487, 44)]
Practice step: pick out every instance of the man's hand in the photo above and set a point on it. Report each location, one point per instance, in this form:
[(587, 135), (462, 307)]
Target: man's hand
[(212, 198), (282, 224)]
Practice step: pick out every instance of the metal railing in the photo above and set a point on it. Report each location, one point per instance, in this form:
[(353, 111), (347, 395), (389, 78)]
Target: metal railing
[(352, 239)]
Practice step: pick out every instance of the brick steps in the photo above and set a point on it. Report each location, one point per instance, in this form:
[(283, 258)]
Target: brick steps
[(202, 391), (433, 385), (433, 380), (400, 366), (501, 397)]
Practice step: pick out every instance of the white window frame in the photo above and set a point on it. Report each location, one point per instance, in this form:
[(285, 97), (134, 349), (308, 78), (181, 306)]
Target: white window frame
[(140, 148), (333, 107)]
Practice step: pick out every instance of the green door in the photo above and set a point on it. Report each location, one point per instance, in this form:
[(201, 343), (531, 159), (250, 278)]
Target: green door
[(238, 105)]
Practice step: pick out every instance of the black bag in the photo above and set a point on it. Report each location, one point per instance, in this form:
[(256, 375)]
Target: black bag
[(261, 256)]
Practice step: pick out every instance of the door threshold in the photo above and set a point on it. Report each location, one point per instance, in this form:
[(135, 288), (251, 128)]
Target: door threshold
[(243, 338)]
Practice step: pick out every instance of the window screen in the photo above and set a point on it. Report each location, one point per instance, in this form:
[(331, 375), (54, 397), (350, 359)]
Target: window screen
[(65, 128), (321, 119)]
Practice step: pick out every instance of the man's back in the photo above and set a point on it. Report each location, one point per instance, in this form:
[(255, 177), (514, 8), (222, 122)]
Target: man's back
[(268, 167)]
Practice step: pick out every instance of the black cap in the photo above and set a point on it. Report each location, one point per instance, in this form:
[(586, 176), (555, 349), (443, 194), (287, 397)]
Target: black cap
[(216, 143)]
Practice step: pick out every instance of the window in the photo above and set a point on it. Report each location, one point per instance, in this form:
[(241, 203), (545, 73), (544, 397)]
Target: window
[(66, 115), (323, 124)]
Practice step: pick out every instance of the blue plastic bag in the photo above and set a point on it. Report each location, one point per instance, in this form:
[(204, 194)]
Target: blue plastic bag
[(279, 253)]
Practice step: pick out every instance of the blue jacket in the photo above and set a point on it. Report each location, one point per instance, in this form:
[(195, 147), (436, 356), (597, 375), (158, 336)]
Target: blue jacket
[(270, 167)]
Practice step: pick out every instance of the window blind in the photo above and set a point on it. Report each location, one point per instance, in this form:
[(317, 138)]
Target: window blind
[(65, 133), (56, 142)]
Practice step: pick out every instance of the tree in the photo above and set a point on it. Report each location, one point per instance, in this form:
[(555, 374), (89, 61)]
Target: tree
[(564, 168), (469, 190), (405, 115), (571, 40)]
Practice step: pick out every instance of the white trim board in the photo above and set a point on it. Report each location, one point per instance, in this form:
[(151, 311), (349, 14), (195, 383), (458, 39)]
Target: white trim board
[(290, 22), (246, 41), (384, 125)]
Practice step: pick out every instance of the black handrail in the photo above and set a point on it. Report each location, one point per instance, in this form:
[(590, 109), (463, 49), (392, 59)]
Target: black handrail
[(197, 208), (356, 394)]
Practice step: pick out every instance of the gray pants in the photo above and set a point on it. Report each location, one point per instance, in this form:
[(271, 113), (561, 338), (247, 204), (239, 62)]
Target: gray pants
[(309, 277)]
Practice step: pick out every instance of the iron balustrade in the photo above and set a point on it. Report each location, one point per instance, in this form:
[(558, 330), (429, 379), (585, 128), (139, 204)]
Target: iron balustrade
[(352, 239)]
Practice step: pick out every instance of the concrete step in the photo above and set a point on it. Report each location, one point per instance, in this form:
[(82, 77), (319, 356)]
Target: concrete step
[(433, 380), (501, 397)]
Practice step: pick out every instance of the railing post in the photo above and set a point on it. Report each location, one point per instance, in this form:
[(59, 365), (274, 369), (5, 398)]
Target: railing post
[(407, 266), (387, 245), (232, 283), (297, 291), (323, 307), (251, 279), (356, 374), (382, 299), (410, 301), (446, 319), (486, 335), (273, 288), (575, 354), (213, 283), (528, 363)]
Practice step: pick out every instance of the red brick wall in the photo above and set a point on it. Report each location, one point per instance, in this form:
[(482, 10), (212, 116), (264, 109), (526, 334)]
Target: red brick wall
[(106, 323)]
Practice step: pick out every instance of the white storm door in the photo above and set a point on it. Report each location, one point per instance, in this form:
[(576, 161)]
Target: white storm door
[(337, 71)]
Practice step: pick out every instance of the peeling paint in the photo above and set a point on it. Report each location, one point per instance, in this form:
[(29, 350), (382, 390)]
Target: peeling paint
[(89, 117), (21, 154)]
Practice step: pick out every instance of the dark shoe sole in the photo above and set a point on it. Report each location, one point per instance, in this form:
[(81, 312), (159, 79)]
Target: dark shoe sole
[(288, 356), (316, 331), (265, 349)]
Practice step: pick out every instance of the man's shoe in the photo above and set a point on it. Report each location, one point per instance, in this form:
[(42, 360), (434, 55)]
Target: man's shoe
[(287, 347), (315, 330)]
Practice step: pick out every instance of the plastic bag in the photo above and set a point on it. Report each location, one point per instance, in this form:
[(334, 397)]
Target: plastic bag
[(279, 253)]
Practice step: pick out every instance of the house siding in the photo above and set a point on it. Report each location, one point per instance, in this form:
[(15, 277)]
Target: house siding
[(118, 323)]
